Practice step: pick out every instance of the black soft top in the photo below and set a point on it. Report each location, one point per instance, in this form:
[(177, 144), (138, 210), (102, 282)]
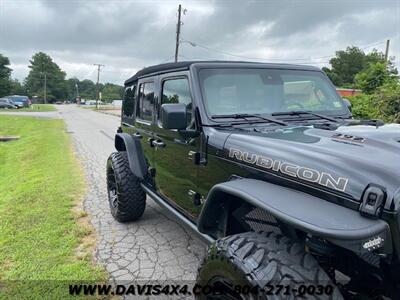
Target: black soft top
[(184, 65)]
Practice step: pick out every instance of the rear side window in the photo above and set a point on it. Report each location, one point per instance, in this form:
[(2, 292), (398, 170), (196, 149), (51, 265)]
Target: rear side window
[(128, 104), (146, 101), (177, 91)]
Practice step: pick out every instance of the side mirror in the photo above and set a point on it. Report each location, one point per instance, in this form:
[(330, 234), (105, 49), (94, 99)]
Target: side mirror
[(347, 102), (173, 116)]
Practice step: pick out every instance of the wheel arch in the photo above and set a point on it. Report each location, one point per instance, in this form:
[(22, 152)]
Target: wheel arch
[(296, 209), (134, 151)]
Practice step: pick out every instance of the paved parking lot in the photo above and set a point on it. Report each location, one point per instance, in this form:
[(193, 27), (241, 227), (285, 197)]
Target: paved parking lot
[(155, 247)]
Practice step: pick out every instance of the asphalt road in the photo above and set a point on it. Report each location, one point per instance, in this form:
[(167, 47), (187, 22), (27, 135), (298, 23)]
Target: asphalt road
[(153, 248)]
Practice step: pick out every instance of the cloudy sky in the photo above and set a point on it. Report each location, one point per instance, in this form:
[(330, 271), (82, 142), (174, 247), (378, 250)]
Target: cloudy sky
[(127, 35)]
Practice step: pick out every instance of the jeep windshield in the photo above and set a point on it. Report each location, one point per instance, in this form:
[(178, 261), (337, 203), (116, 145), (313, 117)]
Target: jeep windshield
[(248, 91)]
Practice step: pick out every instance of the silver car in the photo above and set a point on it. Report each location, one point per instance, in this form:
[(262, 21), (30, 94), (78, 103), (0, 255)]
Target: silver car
[(7, 103)]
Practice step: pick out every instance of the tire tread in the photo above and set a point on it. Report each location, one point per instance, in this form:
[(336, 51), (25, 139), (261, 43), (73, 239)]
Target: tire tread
[(270, 258), (131, 196)]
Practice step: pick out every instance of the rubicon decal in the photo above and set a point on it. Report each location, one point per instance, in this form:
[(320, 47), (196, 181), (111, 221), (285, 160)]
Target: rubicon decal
[(303, 173)]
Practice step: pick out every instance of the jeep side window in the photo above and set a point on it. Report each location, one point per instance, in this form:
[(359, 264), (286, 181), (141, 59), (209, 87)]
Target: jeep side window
[(146, 101), (128, 104), (177, 91)]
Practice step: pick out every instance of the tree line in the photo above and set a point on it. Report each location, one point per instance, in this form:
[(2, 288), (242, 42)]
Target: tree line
[(58, 88), (371, 72)]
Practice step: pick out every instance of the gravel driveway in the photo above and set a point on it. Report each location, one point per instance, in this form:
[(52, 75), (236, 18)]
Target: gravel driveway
[(153, 248)]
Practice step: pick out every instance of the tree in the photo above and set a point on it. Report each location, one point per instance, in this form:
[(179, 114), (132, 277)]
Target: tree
[(374, 76), (17, 88), (72, 86), (5, 76), (347, 63), (110, 91), (87, 89), (41, 65)]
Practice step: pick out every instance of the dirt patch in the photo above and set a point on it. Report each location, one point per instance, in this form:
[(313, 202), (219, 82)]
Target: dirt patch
[(86, 233), (85, 229)]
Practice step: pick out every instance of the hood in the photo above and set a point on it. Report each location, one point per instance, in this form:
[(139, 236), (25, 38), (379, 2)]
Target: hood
[(345, 160)]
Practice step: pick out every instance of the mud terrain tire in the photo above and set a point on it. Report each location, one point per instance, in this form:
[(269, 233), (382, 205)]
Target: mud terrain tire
[(261, 262), (125, 195)]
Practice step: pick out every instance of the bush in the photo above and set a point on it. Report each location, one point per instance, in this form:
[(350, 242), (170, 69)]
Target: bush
[(383, 103), (374, 76), (388, 99), (364, 107)]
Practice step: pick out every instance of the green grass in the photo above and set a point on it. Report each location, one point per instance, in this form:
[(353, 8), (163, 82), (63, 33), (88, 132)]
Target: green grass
[(41, 228), (34, 107)]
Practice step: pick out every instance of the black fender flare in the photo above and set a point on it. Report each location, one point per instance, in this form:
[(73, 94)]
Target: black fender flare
[(295, 208), (134, 151)]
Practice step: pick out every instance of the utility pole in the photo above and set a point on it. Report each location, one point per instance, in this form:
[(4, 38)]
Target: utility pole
[(97, 84), (45, 89), (387, 50), (78, 100), (178, 32)]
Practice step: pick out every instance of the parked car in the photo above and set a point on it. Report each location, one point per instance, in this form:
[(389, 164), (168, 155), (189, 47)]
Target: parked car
[(20, 101), (117, 103), (265, 163), (91, 102), (7, 104)]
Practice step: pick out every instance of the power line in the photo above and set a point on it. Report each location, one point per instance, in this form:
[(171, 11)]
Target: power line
[(211, 58), (304, 60), (169, 58)]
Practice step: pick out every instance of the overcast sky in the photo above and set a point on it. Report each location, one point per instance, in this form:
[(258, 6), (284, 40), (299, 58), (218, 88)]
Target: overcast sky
[(127, 35)]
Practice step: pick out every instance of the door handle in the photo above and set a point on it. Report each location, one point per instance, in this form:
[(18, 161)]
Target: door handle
[(138, 135), (158, 143)]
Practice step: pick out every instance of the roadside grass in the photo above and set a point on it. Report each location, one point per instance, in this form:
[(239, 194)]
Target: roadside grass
[(45, 238), (34, 107)]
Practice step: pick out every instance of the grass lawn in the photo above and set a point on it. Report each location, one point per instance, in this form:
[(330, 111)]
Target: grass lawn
[(45, 239), (34, 107)]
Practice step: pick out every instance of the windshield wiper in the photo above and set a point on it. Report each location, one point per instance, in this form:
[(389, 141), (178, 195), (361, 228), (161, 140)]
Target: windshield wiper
[(246, 116), (301, 112)]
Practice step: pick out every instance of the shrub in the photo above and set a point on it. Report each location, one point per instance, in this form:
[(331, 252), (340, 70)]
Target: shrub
[(383, 103), (364, 107), (388, 99), (374, 76)]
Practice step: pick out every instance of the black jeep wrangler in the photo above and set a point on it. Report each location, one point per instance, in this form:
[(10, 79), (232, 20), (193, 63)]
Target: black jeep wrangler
[(265, 163)]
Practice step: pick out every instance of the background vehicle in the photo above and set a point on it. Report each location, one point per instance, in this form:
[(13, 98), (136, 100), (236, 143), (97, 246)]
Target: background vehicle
[(20, 101), (7, 103), (117, 103), (265, 163), (91, 102)]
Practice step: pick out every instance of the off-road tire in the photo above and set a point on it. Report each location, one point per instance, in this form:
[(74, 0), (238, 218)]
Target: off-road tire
[(261, 261), (129, 200)]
